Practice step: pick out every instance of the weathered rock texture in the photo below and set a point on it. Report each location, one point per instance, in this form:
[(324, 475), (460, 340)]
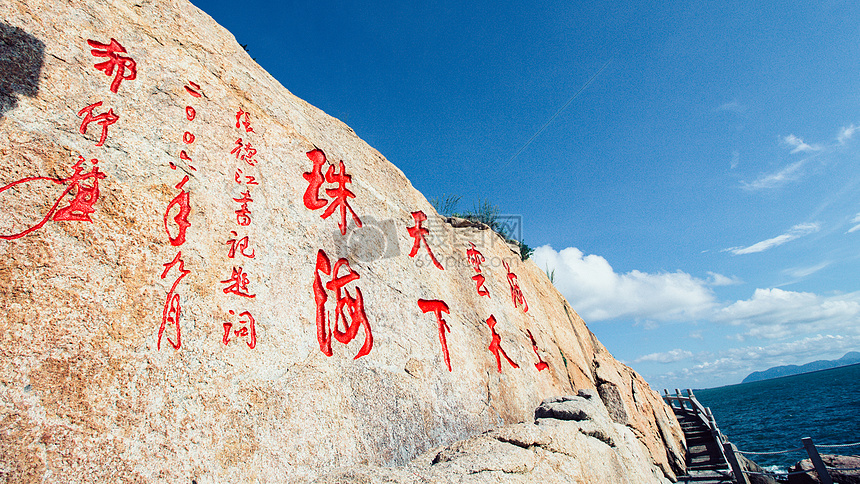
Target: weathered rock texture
[(843, 469), (755, 473), (100, 277), (573, 439)]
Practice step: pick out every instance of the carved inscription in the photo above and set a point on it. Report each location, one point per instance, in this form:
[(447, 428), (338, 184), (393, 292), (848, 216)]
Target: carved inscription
[(418, 232), (176, 226), (496, 345), (347, 309), (340, 194), (540, 365), (117, 61), (475, 260), (237, 284), (516, 293), (438, 307)]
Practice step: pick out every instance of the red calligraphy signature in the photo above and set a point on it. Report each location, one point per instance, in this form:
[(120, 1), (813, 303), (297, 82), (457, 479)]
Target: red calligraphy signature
[(79, 208)]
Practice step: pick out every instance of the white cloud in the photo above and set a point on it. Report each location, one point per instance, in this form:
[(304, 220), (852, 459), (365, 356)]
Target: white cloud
[(855, 220), (798, 145), (771, 180), (846, 133), (715, 279), (598, 293), (736, 363), (736, 158), (795, 232), (775, 313), (801, 272), (665, 357)]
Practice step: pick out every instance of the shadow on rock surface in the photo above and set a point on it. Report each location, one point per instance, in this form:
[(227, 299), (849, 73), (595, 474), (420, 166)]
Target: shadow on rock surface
[(21, 59)]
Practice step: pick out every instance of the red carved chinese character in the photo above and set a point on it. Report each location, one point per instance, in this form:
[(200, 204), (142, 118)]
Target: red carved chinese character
[(418, 232), (172, 309), (315, 180), (245, 152), (115, 61), (78, 209), (181, 218), (344, 301), (241, 244), (249, 180), (475, 257), (104, 119), (540, 365), (340, 195), (246, 123), (248, 329), (475, 260), (243, 215), (479, 283), (238, 283), (188, 138), (496, 345), (194, 92), (183, 156), (516, 292), (438, 307), (190, 113)]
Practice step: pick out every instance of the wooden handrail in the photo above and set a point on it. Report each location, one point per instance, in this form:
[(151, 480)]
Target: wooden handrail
[(727, 449), (707, 417), (820, 468)]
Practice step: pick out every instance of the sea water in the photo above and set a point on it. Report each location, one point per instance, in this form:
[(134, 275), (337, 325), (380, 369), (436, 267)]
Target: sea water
[(774, 415)]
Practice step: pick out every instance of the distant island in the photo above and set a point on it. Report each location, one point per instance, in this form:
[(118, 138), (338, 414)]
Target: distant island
[(850, 358)]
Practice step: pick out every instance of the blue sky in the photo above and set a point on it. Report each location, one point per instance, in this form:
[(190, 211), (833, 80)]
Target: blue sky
[(699, 201)]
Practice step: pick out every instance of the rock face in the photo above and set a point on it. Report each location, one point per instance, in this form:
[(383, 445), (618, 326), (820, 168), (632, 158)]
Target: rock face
[(843, 469), (573, 439), (756, 474), (206, 279)]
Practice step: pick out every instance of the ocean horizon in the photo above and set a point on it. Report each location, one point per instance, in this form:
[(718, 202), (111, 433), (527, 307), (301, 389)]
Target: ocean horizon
[(774, 415)]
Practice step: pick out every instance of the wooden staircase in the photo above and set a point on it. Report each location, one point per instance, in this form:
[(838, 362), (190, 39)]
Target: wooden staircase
[(706, 460)]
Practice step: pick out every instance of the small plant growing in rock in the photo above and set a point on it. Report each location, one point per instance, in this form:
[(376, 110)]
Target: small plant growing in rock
[(485, 213)]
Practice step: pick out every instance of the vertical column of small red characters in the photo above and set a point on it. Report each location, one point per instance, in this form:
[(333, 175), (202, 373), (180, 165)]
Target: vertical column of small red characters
[(475, 259), (519, 300), (121, 67), (349, 310), (437, 306), (176, 224), (242, 323)]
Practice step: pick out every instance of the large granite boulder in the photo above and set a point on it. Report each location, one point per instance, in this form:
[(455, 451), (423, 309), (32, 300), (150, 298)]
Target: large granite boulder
[(206, 279), (573, 439), (843, 469)]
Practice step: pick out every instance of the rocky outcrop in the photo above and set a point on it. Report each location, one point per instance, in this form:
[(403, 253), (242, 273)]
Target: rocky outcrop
[(755, 473), (206, 279), (843, 469), (573, 439)]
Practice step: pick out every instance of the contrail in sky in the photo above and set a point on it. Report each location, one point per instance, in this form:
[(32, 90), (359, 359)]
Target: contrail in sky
[(558, 112)]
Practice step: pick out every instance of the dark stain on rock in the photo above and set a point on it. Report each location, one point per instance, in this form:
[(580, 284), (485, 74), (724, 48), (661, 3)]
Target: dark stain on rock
[(21, 60)]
